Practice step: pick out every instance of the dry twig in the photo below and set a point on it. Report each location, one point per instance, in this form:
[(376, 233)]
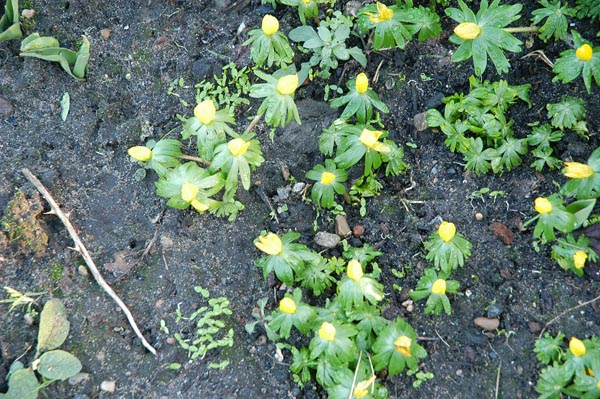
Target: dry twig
[(86, 256), (565, 312)]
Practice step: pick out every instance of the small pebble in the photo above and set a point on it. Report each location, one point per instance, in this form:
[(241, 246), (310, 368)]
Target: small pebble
[(79, 378), (28, 13), (108, 386), (327, 240), (420, 121), (105, 33), (485, 323), (502, 232), (342, 228), (479, 216), (171, 340), (6, 108), (358, 230), (83, 271), (494, 310), (28, 319), (534, 327), (298, 187)]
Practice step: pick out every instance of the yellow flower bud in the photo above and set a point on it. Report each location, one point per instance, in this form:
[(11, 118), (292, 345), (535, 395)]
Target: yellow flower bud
[(199, 205), (306, 1), (205, 111), (402, 345), (287, 305), (598, 385), (383, 14), (361, 389), (189, 191), (542, 205), (579, 259), (439, 287), (362, 83), (270, 25), (327, 331), (369, 139), (585, 52), (286, 85), (447, 231), (140, 153), (355, 271), (270, 244), (467, 30), (238, 146), (576, 170), (577, 347), (327, 178)]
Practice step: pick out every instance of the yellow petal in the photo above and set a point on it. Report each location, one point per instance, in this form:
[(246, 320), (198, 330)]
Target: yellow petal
[(542, 205), (286, 85), (287, 305), (205, 111), (140, 152), (383, 14), (199, 205), (189, 191), (402, 345), (362, 83), (362, 388), (585, 52), (439, 287), (576, 170), (369, 139), (577, 347), (467, 30), (238, 146), (270, 25), (327, 178), (355, 271), (447, 230), (270, 244), (579, 259), (327, 331)]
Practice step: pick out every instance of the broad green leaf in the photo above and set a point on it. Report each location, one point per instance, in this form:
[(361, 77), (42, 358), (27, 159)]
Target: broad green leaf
[(54, 326), (58, 365), (22, 384)]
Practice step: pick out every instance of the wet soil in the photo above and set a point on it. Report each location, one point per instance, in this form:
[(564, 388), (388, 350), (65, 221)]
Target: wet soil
[(83, 161)]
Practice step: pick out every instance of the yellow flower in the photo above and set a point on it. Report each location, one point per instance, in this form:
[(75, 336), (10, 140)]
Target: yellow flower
[(585, 52), (355, 271), (383, 14), (467, 30), (327, 178), (327, 331), (306, 1), (439, 287), (579, 259), (369, 139), (447, 230), (362, 83), (270, 244), (598, 384), (362, 388), (205, 111), (542, 205), (238, 146), (199, 205), (577, 347), (189, 191), (286, 85), (576, 170), (402, 345), (287, 305), (140, 152), (270, 25)]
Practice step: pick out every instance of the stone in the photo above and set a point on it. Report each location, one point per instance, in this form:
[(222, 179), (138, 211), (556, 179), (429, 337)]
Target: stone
[(358, 230), (327, 240), (486, 323), (108, 386), (105, 33), (420, 121), (494, 310), (79, 378), (6, 108), (342, 228)]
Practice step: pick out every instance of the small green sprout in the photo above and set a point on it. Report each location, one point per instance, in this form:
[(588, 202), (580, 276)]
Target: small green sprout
[(292, 312), (329, 180), (48, 49), (582, 61), (157, 155), (584, 178), (269, 44), (396, 348), (278, 105), (435, 288), (447, 248), (360, 101), (17, 298), (569, 113), (555, 15), (10, 28)]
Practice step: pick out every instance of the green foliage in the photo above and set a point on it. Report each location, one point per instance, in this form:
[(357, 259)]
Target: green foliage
[(436, 302), (548, 348), (16, 298), (48, 49), (493, 39), (278, 108), (9, 22), (570, 66), (555, 15), (569, 113), (272, 49), (396, 348), (585, 187), (165, 155), (308, 9), (329, 180), (447, 256), (564, 251), (588, 9), (359, 104), (228, 90)]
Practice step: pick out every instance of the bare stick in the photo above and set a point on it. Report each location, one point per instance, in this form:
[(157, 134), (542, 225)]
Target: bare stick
[(565, 312), (86, 256)]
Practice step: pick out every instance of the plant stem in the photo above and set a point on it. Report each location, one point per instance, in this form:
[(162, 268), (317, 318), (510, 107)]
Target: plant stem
[(254, 122), (522, 29), (195, 159)]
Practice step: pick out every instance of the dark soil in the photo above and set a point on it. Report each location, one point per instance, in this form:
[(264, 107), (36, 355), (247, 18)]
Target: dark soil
[(83, 161)]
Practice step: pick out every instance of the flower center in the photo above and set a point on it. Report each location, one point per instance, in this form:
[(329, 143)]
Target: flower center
[(585, 52), (327, 178), (402, 345), (439, 287), (327, 331), (189, 191), (238, 146)]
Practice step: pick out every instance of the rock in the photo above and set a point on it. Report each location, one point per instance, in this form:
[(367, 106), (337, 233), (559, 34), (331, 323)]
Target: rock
[(342, 228), (358, 230), (502, 232), (327, 240), (298, 187), (6, 108), (108, 386), (420, 121), (83, 271), (105, 33), (494, 310), (479, 216), (79, 378), (28, 13), (534, 327), (485, 323)]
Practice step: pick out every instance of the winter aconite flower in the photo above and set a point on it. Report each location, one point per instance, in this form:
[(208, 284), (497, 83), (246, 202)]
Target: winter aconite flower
[(238, 146), (361, 389), (355, 271), (327, 331), (543, 205), (270, 25), (467, 30), (439, 287), (383, 14), (369, 138), (447, 230), (577, 347), (287, 305), (327, 178), (362, 83), (579, 259), (402, 345), (140, 153), (286, 85), (205, 111), (189, 191), (584, 52), (577, 170), (270, 244)]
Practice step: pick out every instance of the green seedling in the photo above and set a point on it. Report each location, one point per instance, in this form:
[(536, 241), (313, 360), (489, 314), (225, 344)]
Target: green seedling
[(587, 9), (447, 249), (555, 15), (48, 49), (360, 100), (567, 114), (355, 288), (10, 28), (582, 61), (481, 193), (541, 138), (16, 298), (278, 105), (269, 45), (329, 180), (435, 288)]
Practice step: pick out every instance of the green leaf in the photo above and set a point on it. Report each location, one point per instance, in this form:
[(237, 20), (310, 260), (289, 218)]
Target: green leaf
[(567, 112), (22, 384), (548, 348), (54, 326), (65, 105), (58, 365), (556, 19)]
